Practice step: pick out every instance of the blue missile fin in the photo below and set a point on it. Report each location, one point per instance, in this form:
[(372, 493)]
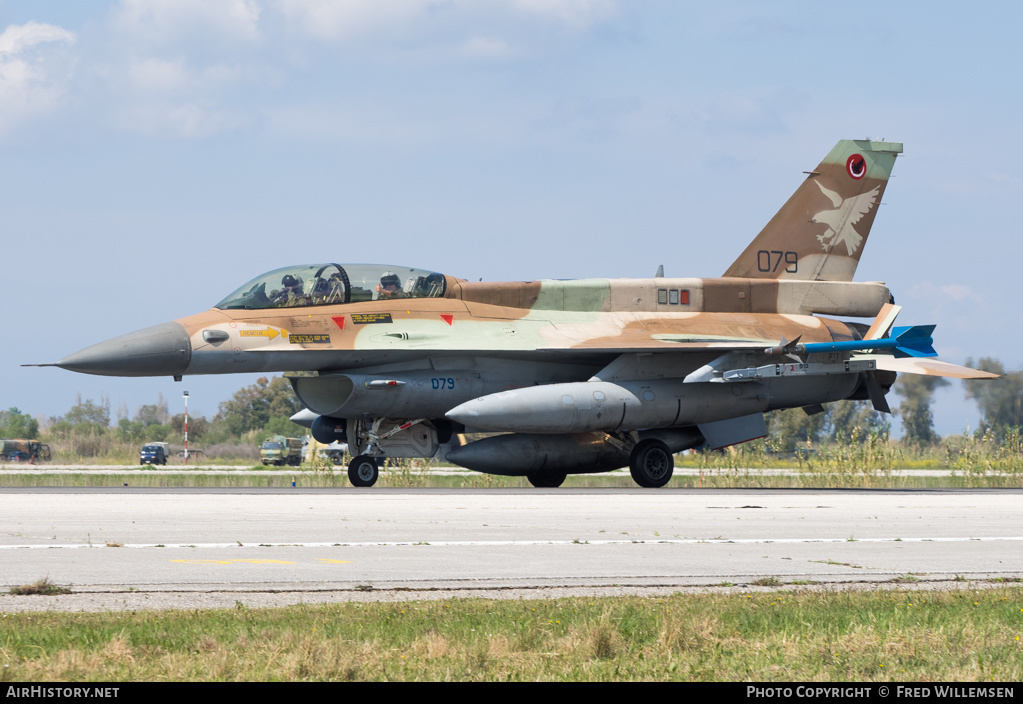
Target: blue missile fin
[(914, 341)]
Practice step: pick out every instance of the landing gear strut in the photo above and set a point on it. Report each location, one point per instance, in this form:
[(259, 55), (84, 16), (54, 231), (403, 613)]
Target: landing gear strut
[(362, 471), (651, 463)]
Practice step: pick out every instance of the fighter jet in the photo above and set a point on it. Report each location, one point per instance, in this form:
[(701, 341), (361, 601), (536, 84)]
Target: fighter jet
[(567, 377)]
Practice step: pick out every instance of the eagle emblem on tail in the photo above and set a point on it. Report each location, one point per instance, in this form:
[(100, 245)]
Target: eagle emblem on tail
[(840, 221)]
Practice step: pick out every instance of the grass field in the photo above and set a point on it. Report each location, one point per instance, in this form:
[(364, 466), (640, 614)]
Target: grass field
[(884, 635), (963, 462)]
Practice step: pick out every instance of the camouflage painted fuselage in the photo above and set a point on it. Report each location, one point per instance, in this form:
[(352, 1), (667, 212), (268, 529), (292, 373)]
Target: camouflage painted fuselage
[(480, 338), (545, 320)]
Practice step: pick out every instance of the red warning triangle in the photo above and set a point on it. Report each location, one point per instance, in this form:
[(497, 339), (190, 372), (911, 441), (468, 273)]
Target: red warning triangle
[(449, 319), (339, 320)]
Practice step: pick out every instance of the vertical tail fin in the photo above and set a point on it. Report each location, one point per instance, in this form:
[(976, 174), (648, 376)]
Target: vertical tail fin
[(820, 232)]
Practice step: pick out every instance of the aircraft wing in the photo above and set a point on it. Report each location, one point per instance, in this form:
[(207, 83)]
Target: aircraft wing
[(617, 333), (664, 345)]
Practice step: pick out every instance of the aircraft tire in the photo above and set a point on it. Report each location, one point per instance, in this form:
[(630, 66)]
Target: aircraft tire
[(651, 464), (362, 471), (547, 480)]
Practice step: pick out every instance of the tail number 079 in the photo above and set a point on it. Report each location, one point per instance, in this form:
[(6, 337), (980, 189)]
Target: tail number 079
[(770, 260)]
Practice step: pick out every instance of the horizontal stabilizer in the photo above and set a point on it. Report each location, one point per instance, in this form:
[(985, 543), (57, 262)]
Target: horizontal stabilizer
[(930, 367)]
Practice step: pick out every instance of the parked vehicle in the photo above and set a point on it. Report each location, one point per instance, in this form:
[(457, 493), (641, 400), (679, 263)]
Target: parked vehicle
[(280, 450), (335, 452), (19, 450), (154, 453)]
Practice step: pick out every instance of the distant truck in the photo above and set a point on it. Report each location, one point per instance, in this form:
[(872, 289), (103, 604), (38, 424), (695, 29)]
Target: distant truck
[(154, 453), (280, 450), (335, 452), (19, 450)]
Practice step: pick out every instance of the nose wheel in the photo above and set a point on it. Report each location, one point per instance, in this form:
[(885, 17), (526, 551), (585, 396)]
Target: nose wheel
[(362, 471)]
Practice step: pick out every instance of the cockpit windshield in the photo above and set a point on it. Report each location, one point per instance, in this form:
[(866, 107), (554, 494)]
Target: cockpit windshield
[(331, 284)]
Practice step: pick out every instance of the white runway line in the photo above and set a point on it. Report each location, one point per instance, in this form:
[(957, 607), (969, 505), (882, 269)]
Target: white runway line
[(497, 543)]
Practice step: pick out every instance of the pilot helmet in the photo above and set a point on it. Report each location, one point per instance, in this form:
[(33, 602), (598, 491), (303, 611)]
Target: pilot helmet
[(389, 279), (289, 281)]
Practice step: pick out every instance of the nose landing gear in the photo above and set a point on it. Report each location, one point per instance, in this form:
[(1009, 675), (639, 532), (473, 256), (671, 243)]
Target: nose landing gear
[(363, 471)]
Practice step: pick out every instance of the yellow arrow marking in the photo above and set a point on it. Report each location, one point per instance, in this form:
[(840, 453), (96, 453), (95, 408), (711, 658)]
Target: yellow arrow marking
[(228, 562), (270, 332)]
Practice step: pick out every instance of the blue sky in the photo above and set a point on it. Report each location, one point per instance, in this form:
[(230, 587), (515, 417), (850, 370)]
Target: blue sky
[(158, 154)]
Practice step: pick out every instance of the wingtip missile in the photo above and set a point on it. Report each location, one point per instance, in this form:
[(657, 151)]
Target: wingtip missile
[(910, 341)]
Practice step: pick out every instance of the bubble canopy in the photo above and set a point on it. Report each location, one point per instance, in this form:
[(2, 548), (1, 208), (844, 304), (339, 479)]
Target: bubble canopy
[(333, 284)]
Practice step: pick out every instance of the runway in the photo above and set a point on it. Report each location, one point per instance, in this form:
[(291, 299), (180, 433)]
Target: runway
[(139, 548)]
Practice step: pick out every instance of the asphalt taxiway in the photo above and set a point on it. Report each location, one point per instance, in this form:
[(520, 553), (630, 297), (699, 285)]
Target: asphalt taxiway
[(139, 548)]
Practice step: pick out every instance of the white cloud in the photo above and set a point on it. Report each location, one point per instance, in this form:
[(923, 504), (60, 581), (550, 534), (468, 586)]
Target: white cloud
[(159, 75), (174, 76), (187, 121), (940, 294), (174, 64), (959, 292), (34, 71), (577, 14), (486, 48), (179, 67), (17, 38), (753, 112), (165, 21), (169, 98), (330, 20), (1002, 181)]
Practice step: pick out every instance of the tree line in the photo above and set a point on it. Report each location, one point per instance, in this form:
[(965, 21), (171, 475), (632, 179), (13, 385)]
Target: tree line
[(999, 401), (262, 408)]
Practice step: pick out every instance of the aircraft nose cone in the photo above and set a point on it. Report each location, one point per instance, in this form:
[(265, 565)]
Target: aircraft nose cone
[(162, 350)]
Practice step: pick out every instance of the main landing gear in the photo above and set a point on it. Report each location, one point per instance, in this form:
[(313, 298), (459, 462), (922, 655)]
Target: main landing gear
[(651, 463)]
